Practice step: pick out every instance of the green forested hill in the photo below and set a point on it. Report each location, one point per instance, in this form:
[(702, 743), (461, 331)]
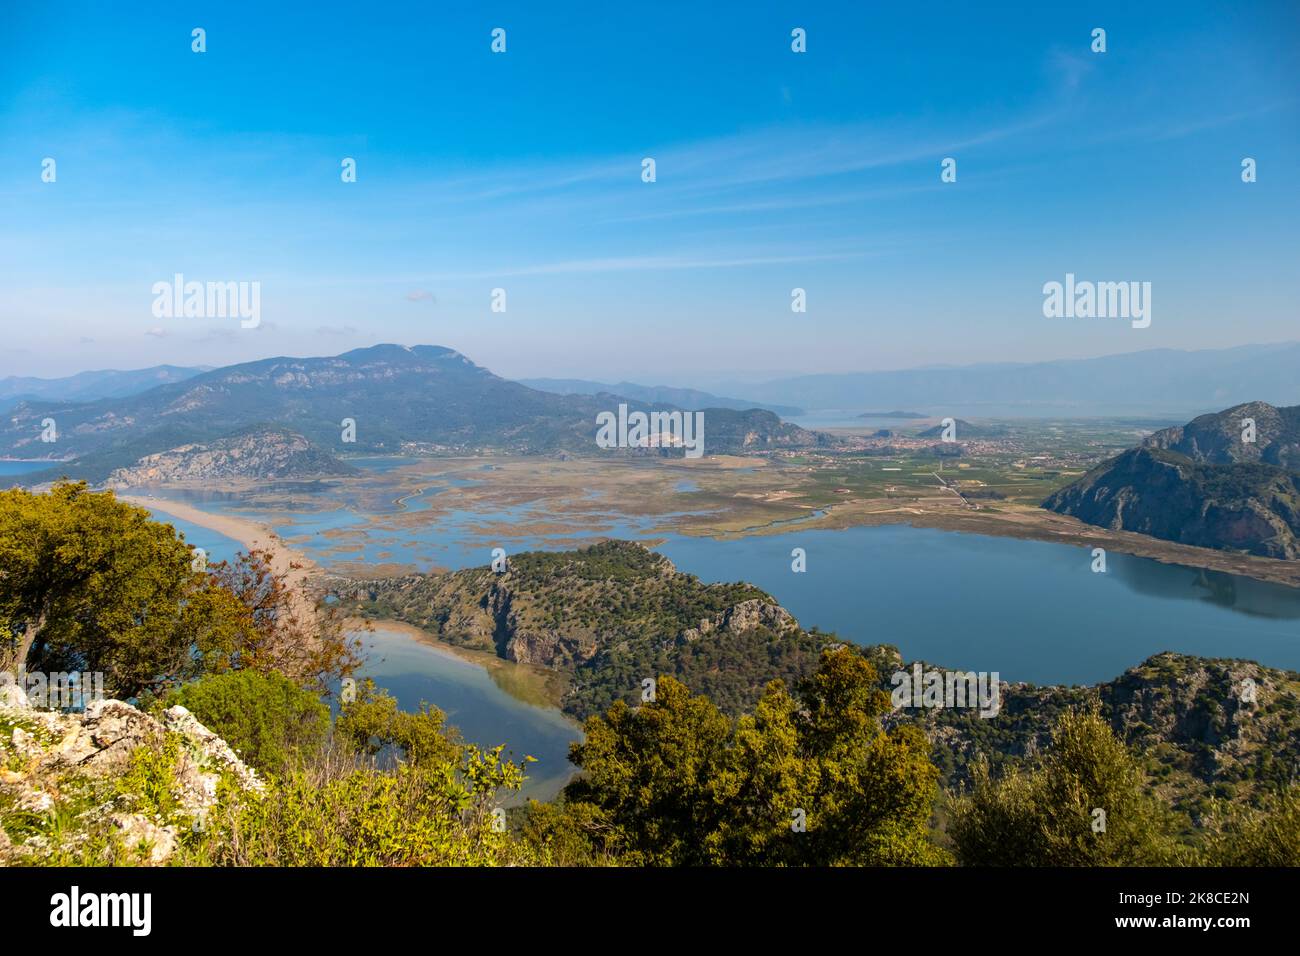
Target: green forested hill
[(1184, 716), (610, 616)]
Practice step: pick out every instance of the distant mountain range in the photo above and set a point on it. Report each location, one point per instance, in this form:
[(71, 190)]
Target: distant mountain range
[(1203, 484), (1166, 382), (88, 386), (687, 398), (421, 399), (428, 399)]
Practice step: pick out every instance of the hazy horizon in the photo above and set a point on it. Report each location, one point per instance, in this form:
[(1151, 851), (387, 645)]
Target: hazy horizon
[(648, 378)]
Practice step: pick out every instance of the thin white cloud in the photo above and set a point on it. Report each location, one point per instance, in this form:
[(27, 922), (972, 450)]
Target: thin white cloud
[(649, 264)]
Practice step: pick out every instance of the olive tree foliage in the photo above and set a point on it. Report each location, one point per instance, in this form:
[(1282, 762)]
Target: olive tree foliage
[(91, 583), (1084, 803), (806, 779)]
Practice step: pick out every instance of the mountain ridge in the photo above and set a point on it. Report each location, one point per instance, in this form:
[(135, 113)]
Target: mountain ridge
[(691, 399), (1202, 484), (418, 399), (92, 384)]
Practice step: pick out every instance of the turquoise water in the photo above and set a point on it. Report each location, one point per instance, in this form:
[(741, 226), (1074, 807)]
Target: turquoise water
[(1030, 610), (459, 540), (8, 467), (218, 546)]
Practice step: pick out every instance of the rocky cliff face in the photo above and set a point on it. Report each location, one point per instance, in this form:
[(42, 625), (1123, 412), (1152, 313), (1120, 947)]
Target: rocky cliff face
[(742, 618), (1201, 484), (61, 782), (261, 453), (1216, 439)]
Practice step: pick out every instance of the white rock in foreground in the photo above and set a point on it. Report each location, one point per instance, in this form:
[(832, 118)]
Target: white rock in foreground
[(49, 755)]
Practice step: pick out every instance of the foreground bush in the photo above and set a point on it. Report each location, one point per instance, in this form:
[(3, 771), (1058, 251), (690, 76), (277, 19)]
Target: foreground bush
[(1267, 835), (333, 812), (267, 719), (807, 781), (1085, 804)]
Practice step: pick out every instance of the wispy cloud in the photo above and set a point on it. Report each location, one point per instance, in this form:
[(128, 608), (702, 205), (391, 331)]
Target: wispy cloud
[(649, 264)]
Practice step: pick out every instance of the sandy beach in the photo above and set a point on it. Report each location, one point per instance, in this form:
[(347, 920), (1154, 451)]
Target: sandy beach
[(284, 560), (532, 685)]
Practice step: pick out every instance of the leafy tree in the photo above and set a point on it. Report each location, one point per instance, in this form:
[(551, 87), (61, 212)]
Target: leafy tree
[(286, 629), (1085, 804), (566, 834), (763, 782), (90, 583), (372, 724), (811, 781), (267, 719), (647, 772), (1268, 835), (875, 790)]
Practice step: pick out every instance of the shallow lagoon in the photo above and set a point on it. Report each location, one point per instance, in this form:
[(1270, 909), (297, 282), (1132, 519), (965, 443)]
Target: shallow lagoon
[(1032, 611), (415, 672)]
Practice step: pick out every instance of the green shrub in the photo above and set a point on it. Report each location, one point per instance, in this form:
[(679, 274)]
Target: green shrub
[(267, 719), (372, 724), (1085, 804), (335, 811), (1268, 835)]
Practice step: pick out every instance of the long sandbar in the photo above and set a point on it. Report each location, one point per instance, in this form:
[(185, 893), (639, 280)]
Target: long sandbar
[(251, 534)]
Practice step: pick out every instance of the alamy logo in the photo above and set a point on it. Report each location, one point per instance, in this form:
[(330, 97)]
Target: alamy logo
[(1098, 300), (57, 690), (208, 300), (103, 909), (935, 689), (652, 430)]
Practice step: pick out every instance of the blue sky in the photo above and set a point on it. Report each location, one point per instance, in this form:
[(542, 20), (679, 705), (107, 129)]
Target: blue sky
[(522, 171)]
